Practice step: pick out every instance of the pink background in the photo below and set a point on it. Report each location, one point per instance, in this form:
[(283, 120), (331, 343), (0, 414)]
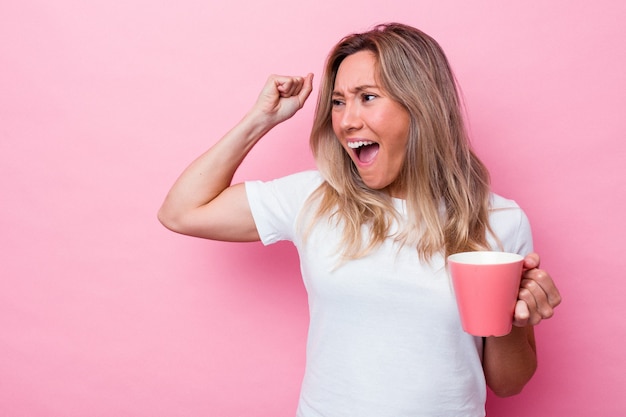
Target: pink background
[(105, 313)]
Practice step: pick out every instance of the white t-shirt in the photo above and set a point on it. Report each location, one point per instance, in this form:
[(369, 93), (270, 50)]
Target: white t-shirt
[(385, 338)]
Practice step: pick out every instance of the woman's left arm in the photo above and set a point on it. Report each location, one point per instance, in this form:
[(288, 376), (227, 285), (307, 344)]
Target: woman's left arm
[(510, 361)]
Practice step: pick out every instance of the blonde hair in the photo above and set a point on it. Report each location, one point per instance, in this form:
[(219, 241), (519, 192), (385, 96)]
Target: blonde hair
[(446, 186)]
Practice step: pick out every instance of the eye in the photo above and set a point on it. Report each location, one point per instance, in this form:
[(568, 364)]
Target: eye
[(367, 97), (335, 102)]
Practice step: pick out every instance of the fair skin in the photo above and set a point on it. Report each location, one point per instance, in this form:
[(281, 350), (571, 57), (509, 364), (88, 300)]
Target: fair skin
[(204, 203), (372, 128)]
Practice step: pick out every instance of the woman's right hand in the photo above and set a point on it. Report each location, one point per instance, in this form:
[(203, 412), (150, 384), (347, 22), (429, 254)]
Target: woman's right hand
[(203, 202), (281, 97)]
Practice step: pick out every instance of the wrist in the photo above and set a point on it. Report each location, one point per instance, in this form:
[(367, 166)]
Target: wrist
[(519, 338), (252, 127), (258, 122)]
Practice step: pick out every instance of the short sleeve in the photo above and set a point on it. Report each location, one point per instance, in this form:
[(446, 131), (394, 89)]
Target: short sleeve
[(511, 227), (276, 204)]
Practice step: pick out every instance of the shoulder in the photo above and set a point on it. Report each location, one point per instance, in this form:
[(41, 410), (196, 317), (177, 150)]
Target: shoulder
[(300, 184), (305, 179), (510, 224), (276, 204), (503, 211), (497, 202)]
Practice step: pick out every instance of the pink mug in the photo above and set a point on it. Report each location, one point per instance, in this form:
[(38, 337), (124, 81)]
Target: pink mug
[(486, 286)]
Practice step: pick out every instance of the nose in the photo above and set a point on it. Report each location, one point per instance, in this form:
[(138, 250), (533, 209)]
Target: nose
[(351, 117)]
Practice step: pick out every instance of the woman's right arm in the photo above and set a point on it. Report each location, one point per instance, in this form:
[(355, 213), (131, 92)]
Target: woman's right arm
[(202, 202)]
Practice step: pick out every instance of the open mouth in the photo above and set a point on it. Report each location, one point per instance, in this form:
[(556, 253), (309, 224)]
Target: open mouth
[(365, 150)]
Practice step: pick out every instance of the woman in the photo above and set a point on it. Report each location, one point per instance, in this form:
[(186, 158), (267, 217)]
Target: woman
[(398, 189)]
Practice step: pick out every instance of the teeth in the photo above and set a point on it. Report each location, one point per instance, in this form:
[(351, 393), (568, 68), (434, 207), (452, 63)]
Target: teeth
[(356, 145)]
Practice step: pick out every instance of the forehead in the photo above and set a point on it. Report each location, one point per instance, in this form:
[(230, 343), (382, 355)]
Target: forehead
[(356, 70)]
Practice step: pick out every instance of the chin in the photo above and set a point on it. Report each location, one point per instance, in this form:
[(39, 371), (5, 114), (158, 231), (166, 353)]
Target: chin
[(375, 185)]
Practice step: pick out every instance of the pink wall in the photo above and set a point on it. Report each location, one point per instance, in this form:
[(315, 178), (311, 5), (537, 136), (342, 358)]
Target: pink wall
[(105, 313)]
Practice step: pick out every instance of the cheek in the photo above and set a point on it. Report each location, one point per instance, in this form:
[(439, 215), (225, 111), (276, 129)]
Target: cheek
[(399, 147), (400, 127)]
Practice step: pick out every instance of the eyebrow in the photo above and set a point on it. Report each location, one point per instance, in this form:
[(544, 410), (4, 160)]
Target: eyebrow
[(357, 89)]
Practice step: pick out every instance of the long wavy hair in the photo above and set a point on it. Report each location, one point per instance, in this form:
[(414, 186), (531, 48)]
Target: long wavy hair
[(446, 186)]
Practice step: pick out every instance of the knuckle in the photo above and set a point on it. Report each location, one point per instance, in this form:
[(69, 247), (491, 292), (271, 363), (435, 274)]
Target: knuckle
[(541, 275), (547, 312), (524, 294), (530, 284)]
